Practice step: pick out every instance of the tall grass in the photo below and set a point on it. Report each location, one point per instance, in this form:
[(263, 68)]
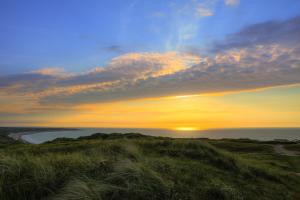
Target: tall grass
[(135, 167)]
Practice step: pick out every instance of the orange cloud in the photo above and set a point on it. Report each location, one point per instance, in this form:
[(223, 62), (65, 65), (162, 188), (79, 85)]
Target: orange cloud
[(145, 65), (52, 71)]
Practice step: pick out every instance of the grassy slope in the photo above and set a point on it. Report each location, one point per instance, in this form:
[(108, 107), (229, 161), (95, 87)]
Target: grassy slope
[(293, 147), (133, 167), (261, 153)]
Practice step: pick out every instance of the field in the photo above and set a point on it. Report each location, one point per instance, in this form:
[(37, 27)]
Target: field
[(133, 166)]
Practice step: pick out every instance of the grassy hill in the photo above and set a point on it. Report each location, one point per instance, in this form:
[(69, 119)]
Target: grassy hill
[(134, 166)]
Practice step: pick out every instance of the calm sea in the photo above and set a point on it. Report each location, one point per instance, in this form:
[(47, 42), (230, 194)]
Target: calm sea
[(251, 133)]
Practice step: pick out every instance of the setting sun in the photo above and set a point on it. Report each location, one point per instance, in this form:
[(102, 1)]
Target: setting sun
[(186, 129)]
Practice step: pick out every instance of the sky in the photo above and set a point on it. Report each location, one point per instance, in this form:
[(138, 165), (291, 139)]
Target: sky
[(177, 64)]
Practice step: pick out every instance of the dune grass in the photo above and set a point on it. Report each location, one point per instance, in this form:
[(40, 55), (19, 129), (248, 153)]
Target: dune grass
[(293, 147), (134, 166)]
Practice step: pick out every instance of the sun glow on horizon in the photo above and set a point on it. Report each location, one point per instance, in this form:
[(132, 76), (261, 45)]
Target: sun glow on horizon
[(272, 107), (186, 128)]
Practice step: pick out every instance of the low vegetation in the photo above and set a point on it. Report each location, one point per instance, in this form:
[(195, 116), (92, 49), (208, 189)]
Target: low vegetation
[(293, 147), (133, 166)]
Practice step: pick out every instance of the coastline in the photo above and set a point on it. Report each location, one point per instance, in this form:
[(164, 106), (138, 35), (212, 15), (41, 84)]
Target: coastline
[(18, 136)]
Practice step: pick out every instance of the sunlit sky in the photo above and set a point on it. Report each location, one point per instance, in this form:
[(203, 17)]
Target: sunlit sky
[(177, 64)]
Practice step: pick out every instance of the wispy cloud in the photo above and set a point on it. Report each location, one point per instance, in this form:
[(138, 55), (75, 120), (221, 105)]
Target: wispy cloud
[(115, 49), (51, 71), (203, 11), (186, 20), (232, 2)]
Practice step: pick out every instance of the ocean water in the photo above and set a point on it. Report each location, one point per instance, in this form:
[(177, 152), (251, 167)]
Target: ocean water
[(250, 133)]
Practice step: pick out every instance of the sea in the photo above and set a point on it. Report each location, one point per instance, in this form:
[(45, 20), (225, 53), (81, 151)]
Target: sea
[(262, 134)]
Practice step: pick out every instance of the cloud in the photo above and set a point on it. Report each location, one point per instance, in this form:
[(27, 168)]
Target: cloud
[(27, 82), (203, 11), (114, 49), (232, 2), (145, 65), (236, 64), (285, 33), (120, 72), (185, 20), (52, 71), (230, 71), (135, 66)]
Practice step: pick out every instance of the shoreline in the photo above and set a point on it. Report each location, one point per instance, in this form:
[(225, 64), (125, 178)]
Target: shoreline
[(277, 144), (17, 136)]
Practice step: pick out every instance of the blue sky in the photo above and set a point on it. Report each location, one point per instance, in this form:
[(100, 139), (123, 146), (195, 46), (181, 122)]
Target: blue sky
[(161, 63), (77, 35)]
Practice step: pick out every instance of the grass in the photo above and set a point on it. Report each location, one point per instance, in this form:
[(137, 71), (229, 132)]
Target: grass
[(261, 153), (133, 166), (293, 147)]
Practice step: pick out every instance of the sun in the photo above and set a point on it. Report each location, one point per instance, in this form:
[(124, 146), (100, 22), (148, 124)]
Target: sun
[(186, 128)]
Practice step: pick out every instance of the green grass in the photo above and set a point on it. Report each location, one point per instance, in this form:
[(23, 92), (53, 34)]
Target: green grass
[(133, 166), (293, 147), (261, 153)]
